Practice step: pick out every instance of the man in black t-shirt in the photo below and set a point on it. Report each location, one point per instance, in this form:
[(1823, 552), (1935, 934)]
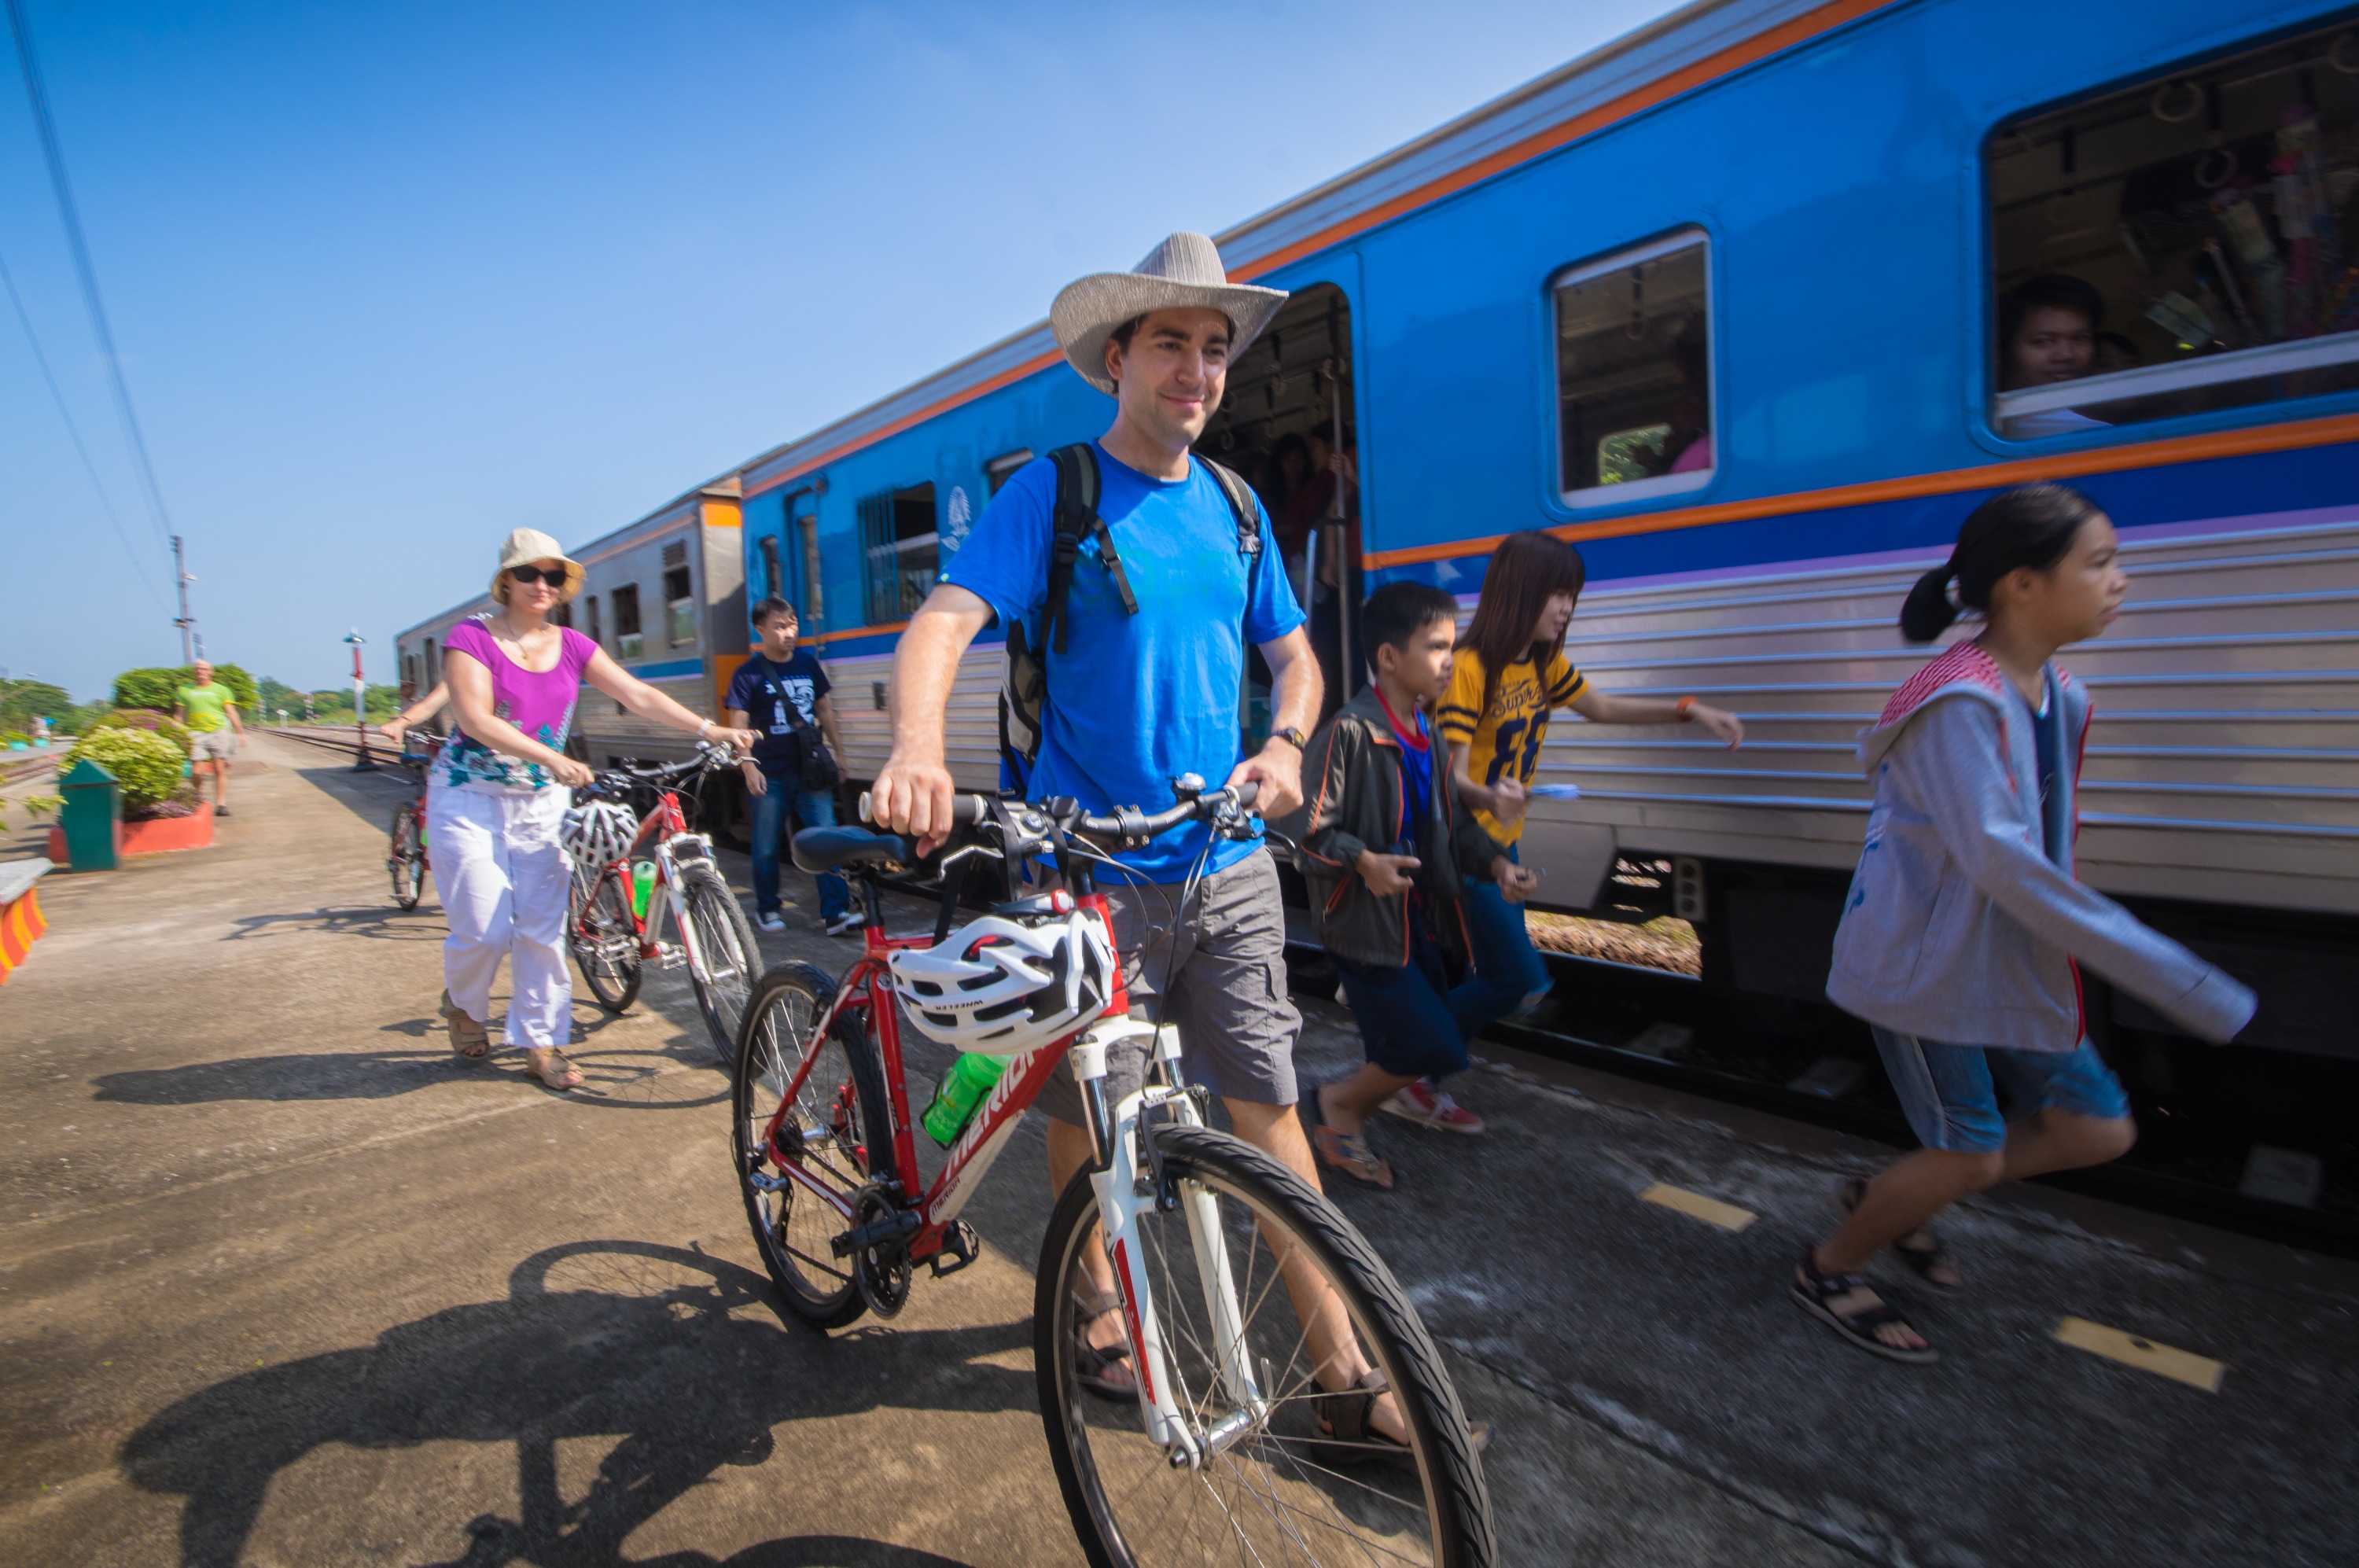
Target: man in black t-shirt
[(780, 694)]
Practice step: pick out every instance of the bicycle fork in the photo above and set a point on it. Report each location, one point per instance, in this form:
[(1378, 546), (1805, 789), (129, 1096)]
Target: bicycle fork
[(1128, 1181)]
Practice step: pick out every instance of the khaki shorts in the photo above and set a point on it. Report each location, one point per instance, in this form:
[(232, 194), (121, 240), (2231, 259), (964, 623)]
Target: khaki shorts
[(203, 744), (1226, 966)]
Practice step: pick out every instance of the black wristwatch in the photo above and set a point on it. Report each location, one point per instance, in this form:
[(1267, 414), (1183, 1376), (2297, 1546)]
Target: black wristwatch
[(1292, 737)]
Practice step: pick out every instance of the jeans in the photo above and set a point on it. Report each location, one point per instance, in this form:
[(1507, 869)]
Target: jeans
[(1505, 962), (812, 808), (1409, 1026), (1950, 1092)]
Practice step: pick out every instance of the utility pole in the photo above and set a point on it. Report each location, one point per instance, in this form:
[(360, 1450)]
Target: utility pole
[(186, 623)]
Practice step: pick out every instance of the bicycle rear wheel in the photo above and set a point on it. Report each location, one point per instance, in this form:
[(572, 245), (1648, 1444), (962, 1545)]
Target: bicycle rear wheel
[(606, 942), (405, 857), (723, 956), (837, 1133), (1277, 1494)]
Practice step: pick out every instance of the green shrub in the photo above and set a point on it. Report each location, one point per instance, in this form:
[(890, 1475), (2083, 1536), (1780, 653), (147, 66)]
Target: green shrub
[(146, 719), (147, 763), (160, 689)]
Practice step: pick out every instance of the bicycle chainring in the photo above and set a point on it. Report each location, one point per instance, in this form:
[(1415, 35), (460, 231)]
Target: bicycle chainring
[(882, 1271)]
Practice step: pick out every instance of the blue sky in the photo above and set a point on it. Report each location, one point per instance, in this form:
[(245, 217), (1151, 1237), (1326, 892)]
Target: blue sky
[(388, 282)]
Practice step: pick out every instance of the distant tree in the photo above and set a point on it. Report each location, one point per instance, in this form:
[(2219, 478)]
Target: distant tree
[(22, 702), (159, 688), (273, 695)]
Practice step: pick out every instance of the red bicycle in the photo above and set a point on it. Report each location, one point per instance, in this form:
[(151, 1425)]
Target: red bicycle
[(1253, 1434), (628, 874)]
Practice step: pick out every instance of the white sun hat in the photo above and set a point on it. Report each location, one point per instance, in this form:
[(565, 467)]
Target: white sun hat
[(1183, 272), (523, 547)]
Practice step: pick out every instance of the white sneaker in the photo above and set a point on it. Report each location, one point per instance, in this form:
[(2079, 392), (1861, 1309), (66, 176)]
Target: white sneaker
[(770, 919), (851, 919)]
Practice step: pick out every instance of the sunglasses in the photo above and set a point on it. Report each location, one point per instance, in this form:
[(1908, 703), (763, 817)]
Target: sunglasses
[(553, 575)]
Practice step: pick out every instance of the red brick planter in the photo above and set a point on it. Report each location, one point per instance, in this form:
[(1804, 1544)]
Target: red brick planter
[(161, 836)]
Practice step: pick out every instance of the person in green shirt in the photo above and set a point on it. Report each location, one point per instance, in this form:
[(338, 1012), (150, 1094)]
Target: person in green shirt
[(216, 731)]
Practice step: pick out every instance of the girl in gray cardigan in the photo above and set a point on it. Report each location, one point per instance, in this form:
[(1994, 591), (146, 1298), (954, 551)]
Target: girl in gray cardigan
[(1965, 923)]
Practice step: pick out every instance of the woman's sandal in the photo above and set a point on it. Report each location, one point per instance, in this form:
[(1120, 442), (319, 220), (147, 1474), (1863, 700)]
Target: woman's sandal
[(1817, 1291), (551, 1068), (1346, 1436), (470, 1040), (1922, 1258), (1093, 1364), (1347, 1152)]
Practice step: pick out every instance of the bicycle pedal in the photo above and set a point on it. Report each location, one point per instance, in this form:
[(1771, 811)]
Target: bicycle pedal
[(959, 1245), (670, 956)]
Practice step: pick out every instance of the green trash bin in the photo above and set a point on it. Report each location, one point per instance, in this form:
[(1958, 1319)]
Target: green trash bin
[(91, 818)]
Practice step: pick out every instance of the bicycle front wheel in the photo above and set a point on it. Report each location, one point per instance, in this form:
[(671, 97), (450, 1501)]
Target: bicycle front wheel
[(1307, 1289), (606, 942), (723, 956), (405, 857), (835, 1134)]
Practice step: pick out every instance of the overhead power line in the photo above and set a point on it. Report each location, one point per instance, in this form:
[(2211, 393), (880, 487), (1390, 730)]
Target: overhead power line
[(79, 248), (73, 430)]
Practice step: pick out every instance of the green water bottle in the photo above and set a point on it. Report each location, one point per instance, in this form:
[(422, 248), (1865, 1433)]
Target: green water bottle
[(642, 886), (963, 1087)]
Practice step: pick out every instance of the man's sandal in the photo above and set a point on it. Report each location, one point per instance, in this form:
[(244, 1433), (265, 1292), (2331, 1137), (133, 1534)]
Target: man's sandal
[(1095, 1367), (468, 1038), (1345, 1435), (1347, 1152), (1817, 1292), (551, 1068), (1928, 1254)]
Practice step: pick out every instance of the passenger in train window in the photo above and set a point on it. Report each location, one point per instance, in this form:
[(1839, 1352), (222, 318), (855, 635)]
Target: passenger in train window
[(2048, 333), (1965, 922), (780, 694), (1511, 672), (1382, 852), (1688, 444)]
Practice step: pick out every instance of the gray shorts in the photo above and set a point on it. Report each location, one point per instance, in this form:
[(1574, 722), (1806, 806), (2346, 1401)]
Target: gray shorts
[(203, 744), (1226, 959)]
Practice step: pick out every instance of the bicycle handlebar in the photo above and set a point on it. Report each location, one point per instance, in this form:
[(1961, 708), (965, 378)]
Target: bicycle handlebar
[(1127, 823)]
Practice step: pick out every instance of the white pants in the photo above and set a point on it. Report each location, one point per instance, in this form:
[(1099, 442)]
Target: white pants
[(503, 878)]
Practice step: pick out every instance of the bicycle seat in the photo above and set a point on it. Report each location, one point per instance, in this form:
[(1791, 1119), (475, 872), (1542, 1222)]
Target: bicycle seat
[(826, 849)]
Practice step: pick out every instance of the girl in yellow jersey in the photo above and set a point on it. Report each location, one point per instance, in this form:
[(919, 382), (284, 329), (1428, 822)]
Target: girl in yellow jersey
[(1510, 673)]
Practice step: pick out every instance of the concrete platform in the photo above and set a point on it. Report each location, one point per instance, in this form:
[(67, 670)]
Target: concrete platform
[(283, 1282)]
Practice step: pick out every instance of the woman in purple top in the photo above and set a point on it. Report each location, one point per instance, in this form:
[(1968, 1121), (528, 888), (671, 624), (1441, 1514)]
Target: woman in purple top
[(496, 797)]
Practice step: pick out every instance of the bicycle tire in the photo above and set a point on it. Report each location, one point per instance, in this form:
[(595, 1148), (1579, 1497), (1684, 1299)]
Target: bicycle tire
[(846, 1095), (405, 857), (605, 940), (1433, 1500), (724, 958)]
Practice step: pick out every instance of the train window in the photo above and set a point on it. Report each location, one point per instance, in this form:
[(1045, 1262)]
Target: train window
[(900, 551), (679, 594), (774, 571), (597, 632), (2181, 245), (563, 615), (629, 641), (1633, 381), (1002, 469)]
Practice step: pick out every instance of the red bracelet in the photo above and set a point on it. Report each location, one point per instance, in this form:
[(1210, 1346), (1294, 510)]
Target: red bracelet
[(1685, 707)]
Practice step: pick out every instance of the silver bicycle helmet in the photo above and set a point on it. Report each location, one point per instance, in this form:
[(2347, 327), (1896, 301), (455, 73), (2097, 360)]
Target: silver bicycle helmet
[(1002, 986), (598, 834)]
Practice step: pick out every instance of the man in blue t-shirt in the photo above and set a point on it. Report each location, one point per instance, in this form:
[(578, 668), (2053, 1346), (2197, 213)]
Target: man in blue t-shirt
[(780, 694), (1135, 701)]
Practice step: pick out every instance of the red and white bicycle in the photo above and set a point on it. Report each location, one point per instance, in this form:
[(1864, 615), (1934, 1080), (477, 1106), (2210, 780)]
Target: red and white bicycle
[(1261, 1327)]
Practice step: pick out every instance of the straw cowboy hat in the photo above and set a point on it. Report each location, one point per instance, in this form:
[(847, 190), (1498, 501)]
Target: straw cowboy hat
[(1183, 272), (526, 546)]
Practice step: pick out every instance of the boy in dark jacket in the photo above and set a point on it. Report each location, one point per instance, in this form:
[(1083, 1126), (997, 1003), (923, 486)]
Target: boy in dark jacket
[(1382, 850)]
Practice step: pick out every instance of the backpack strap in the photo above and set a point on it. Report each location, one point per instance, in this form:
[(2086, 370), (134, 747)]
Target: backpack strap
[(1241, 503), (1075, 518)]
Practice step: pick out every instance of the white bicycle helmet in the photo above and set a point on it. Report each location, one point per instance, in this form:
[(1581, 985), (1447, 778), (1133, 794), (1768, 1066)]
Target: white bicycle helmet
[(598, 834), (1002, 986)]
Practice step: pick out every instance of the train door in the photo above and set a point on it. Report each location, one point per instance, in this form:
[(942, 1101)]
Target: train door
[(1286, 425)]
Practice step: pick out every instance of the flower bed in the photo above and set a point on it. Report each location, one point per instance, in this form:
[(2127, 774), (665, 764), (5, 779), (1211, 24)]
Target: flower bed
[(160, 836)]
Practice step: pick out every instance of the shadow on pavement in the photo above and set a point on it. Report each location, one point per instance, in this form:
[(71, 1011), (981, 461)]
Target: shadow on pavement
[(627, 1339), (611, 1077), (808, 1552), (382, 923)]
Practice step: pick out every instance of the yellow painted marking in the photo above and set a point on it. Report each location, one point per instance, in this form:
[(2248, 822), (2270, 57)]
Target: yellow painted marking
[(1696, 1206), (2146, 1355)]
